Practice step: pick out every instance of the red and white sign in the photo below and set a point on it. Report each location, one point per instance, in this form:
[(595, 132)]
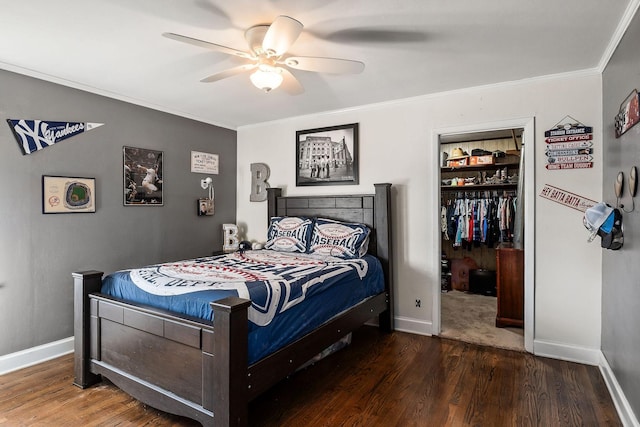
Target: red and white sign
[(581, 158), (628, 115), (569, 138), (566, 198), (569, 145), (558, 166)]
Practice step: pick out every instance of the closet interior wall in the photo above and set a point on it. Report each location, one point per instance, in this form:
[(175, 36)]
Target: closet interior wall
[(494, 181)]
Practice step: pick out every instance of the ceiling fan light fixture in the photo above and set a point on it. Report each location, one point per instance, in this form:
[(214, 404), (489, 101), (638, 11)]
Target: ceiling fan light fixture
[(270, 62), (266, 78)]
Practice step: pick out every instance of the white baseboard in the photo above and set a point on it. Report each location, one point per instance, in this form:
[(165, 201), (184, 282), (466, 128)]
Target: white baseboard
[(406, 324), (414, 326), (595, 357), (570, 353), (620, 401), (32, 356)]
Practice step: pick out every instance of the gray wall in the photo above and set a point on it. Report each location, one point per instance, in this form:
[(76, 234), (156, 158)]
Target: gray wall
[(38, 252), (621, 269)]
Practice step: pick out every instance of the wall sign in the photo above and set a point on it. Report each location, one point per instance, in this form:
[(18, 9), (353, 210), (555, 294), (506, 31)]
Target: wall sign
[(628, 115), (566, 198), (569, 145), (34, 135), (204, 162)]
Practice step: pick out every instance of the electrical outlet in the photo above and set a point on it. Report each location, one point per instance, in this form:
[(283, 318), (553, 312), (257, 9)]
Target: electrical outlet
[(418, 302)]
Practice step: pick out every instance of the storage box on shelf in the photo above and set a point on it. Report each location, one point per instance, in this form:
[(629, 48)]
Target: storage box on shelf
[(488, 174), (458, 163), (481, 160)]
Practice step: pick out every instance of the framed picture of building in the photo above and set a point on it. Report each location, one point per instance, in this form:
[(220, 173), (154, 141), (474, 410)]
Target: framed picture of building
[(327, 156), (142, 171)]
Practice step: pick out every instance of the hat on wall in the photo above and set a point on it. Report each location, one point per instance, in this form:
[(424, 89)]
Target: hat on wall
[(458, 153), (598, 217)]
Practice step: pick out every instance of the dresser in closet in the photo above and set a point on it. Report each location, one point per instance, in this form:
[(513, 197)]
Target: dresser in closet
[(510, 287)]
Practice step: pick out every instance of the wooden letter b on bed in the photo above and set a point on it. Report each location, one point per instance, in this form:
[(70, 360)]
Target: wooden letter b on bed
[(228, 367)]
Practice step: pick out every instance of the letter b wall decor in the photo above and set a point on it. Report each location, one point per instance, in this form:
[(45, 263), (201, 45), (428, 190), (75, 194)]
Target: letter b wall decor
[(259, 175)]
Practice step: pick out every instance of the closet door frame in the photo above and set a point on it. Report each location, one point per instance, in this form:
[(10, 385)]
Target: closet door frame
[(528, 138)]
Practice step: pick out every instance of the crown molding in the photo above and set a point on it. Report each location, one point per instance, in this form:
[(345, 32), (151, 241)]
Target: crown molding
[(623, 24), (112, 95)]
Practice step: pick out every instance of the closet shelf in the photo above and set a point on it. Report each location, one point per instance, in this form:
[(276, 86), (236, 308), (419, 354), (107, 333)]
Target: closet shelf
[(479, 187), (473, 168)]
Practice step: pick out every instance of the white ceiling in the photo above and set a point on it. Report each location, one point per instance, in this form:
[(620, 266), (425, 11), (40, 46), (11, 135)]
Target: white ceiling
[(410, 48)]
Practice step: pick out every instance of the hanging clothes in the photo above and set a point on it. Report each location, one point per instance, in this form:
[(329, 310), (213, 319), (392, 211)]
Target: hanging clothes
[(470, 219), (443, 222)]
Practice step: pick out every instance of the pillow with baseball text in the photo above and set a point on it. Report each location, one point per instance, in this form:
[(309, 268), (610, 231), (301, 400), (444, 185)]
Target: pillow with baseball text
[(339, 239), (289, 234)]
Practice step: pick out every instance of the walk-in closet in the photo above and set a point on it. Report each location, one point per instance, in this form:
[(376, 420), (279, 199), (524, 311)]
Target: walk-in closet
[(482, 229)]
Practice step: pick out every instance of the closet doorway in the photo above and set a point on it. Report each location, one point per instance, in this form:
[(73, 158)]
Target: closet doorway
[(485, 257)]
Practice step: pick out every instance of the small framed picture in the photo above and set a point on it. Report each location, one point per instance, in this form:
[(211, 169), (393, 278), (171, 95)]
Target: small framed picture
[(205, 207), (143, 177), (327, 156), (66, 194)]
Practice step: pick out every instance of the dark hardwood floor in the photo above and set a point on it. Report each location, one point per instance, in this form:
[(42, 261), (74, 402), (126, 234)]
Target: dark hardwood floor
[(381, 379)]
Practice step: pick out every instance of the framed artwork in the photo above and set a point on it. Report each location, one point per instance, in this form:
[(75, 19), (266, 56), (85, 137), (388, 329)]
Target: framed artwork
[(142, 172), (205, 207), (327, 156), (66, 194), (629, 114)]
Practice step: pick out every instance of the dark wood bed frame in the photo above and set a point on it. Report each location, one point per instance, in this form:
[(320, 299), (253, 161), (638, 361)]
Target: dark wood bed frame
[(200, 369)]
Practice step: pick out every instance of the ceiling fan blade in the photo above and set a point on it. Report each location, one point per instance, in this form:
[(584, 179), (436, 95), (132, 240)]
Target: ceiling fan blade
[(282, 33), (290, 84), (229, 73), (208, 45), (324, 65)]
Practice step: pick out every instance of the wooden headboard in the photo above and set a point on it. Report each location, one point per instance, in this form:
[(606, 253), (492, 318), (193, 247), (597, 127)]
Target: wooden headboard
[(374, 210)]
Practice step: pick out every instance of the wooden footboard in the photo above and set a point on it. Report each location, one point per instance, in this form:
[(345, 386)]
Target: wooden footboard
[(170, 362), (200, 369), (188, 367)]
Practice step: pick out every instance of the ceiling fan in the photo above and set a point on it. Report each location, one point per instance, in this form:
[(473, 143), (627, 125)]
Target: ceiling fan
[(268, 46)]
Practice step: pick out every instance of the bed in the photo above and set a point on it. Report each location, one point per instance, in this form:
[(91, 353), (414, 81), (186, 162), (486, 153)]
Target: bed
[(209, 370)]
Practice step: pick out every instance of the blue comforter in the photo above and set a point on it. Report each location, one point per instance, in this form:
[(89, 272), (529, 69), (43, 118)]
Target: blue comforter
[(291, 294)]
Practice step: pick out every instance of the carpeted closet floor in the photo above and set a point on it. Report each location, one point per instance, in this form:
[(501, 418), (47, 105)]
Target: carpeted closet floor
[(472, 318)]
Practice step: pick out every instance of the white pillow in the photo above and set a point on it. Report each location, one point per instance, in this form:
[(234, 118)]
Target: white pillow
[(339, 239), (289, 234)]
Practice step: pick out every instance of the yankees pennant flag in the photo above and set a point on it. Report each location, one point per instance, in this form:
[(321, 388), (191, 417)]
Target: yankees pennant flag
[(34, 135)]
